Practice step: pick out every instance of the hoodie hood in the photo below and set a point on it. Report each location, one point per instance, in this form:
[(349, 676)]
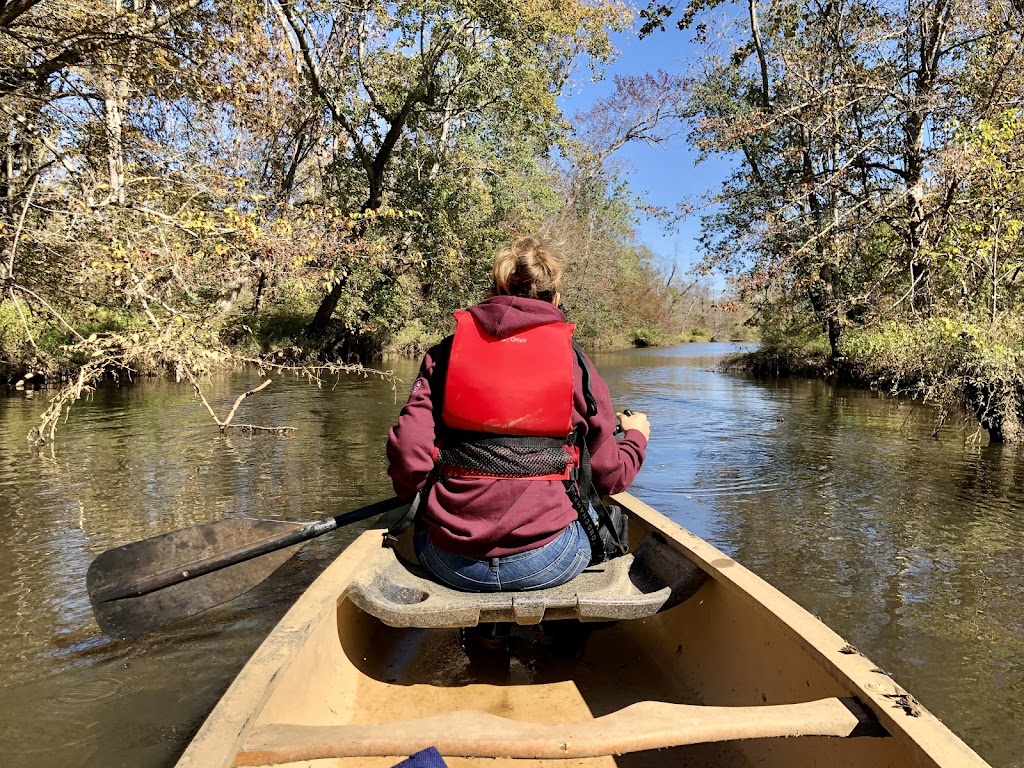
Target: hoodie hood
[(503, 316)]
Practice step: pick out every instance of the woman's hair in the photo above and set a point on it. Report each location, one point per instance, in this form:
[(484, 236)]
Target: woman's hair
[(529, 268)]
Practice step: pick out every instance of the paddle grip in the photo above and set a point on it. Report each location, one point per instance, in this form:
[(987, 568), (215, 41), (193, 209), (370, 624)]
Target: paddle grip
[(618, 427)]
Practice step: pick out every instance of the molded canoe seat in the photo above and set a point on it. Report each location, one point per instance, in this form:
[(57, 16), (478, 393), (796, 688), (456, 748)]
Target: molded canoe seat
[(653, 578), (641, 726)]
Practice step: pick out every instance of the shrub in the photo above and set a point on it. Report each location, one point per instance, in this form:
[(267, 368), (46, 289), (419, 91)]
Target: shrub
[(952, 362), (647, 336)]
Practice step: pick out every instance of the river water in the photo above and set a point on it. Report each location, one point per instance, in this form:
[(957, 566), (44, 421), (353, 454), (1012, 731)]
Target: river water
[(909, 546)]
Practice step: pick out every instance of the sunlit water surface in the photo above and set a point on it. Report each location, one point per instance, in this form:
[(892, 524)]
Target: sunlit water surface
[(909, 546)]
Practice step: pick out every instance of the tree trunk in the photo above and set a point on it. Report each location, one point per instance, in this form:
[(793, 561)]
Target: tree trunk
[(914, 209), (318, 325), (258, 300), (374, 200), (822, 292), (325, 311), (1002, 415), (762, 59), (113, 88), (10, 170), (112, 92), (929, 50)]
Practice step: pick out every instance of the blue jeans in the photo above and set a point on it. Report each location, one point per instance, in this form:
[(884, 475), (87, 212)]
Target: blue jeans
[(557, 562)]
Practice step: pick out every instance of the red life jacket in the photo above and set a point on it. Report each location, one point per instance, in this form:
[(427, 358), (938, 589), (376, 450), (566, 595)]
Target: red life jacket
[(508, 403), (508, 408), (517, 385)]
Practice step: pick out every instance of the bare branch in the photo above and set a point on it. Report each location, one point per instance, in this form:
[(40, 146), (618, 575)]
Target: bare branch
[(24, 320), (12, 9), (301, 46), (224, 424), (21, 226), (49, 306)]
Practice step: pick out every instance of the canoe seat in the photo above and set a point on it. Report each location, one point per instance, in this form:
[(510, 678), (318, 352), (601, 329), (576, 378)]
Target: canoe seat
[(652, 578)]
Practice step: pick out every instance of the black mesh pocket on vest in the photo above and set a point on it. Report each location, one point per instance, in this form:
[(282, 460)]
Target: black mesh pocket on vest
[(506, 457)]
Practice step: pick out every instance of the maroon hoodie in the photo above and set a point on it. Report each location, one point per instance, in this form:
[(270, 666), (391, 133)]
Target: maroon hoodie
[(487, 517)]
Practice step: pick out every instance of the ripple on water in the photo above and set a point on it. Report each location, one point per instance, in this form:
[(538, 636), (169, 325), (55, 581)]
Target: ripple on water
[(94, 691), (67, 713)]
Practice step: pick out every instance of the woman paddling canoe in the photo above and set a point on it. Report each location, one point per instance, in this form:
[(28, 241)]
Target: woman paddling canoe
[(504, 423)]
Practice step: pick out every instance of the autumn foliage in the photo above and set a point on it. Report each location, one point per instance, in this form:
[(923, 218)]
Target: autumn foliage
[(873, 220), (184, 183)]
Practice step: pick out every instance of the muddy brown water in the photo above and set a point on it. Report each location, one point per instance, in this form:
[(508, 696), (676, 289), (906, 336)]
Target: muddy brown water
[(911, 547)]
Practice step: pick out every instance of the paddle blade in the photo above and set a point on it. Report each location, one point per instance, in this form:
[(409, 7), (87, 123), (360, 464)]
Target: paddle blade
[(134, 616)]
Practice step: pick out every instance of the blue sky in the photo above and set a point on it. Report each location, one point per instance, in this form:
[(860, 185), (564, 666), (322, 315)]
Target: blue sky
[(666, 174)]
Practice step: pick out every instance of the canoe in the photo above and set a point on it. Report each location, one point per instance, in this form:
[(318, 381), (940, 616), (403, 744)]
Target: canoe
[(674, 655)]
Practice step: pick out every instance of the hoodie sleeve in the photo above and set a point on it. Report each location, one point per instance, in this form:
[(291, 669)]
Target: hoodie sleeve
[(411, 441), (614, 463)]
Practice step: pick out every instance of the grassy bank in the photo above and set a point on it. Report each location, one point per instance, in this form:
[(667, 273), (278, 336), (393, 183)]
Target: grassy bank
[(947, 362)]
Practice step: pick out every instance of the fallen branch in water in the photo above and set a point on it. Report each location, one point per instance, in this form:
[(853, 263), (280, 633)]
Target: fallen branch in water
[(185, 356), (226, 424), (85, 382), (316, 373), (39, 436)]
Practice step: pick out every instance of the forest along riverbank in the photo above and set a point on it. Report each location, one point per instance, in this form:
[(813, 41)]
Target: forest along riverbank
[(908, 546)]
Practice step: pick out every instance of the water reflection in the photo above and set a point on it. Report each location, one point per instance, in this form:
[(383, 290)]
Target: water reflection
[(136, 462), (907, 545)]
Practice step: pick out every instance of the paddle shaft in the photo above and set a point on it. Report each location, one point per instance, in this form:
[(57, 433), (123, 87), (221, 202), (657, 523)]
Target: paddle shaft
[(156, 581)]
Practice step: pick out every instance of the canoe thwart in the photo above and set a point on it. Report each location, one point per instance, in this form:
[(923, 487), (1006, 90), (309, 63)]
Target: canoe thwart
[(641, 726), (653, 578)]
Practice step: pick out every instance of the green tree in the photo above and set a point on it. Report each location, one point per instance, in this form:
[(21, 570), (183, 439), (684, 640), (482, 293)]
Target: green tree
[(435, 70)]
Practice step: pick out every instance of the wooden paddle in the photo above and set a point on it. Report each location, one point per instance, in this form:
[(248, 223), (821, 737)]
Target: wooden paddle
[(141, 586)]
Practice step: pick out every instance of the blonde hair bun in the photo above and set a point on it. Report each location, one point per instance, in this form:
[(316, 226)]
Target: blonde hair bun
[(530, 268)]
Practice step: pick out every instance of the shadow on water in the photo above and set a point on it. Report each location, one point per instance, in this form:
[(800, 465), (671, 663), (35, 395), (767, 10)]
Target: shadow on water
[(910, 547)]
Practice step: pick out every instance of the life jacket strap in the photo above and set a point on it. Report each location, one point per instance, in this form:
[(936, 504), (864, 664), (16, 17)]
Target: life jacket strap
[(608, 536), (588, 395), (403, 524)]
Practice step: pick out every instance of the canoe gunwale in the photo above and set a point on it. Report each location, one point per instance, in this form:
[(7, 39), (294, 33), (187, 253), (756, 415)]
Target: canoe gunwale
[(223, 734), (919, 731)]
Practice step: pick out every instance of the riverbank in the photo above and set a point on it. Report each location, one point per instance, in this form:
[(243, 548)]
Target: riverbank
[(137, 347), (949, 363)]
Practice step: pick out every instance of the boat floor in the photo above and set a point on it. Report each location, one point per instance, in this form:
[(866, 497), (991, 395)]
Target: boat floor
[(573, 678), (573, 673)]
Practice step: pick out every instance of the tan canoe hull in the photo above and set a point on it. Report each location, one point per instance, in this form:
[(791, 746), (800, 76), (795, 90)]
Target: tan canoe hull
[(332, 680)]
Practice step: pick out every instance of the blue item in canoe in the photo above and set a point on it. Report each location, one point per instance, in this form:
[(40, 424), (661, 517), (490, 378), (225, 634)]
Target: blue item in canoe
[(425, 758)]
